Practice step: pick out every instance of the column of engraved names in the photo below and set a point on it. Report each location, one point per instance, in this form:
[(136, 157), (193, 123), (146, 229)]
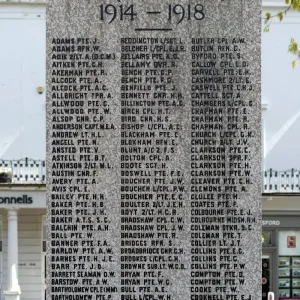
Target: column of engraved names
[(152, 191), (79, 116), (219, 171)]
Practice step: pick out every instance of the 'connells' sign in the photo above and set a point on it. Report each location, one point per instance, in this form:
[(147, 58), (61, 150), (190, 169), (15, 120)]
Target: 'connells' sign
[(16, 200)]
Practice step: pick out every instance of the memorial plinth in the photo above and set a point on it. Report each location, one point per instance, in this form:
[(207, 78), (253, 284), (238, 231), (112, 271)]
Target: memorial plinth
[(153, 150)]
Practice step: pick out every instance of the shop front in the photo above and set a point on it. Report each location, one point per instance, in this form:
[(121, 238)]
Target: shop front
[(22, 241), (281, 247)]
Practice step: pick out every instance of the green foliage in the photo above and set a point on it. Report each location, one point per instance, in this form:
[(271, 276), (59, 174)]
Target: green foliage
[(292, 4), (295, 4), (293, 46), (268, 17)]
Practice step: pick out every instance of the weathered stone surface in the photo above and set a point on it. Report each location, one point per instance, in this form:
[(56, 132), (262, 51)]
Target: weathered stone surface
[(24, 1), (155, 123)]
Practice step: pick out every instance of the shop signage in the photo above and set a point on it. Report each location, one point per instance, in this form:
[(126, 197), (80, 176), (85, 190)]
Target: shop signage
[(16, 200), (281, 221), (270, 223)]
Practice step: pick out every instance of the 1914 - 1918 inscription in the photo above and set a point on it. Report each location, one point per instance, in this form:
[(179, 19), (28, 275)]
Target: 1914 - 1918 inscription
[(153, 150)]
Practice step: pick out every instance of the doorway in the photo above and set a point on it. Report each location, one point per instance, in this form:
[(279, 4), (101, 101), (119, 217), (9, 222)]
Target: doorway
[(267, 280)]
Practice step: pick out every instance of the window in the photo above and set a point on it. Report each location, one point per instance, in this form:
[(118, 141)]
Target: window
[(267, 238)]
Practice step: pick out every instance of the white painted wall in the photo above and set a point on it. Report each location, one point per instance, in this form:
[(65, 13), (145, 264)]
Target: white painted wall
[(280, 90), (281, 203), (30, 255), (22, 61)]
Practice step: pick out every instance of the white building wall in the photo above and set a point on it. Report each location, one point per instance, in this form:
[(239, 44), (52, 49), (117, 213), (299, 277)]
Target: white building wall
[(30, 256), (22, 61), (280, 89)]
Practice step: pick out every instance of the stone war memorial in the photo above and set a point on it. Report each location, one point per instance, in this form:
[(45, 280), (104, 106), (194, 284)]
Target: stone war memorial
[(153, 150)]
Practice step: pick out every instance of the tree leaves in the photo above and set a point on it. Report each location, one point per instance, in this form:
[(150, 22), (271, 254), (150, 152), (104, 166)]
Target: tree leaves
[(293, 47), (295, 4), (268, 16)]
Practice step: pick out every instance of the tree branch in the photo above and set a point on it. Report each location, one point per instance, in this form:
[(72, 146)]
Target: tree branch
[(283, 12)]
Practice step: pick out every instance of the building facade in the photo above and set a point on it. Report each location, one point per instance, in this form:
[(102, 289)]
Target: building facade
[(22, 234), (22, 134), (281, 188), (22, 229)]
